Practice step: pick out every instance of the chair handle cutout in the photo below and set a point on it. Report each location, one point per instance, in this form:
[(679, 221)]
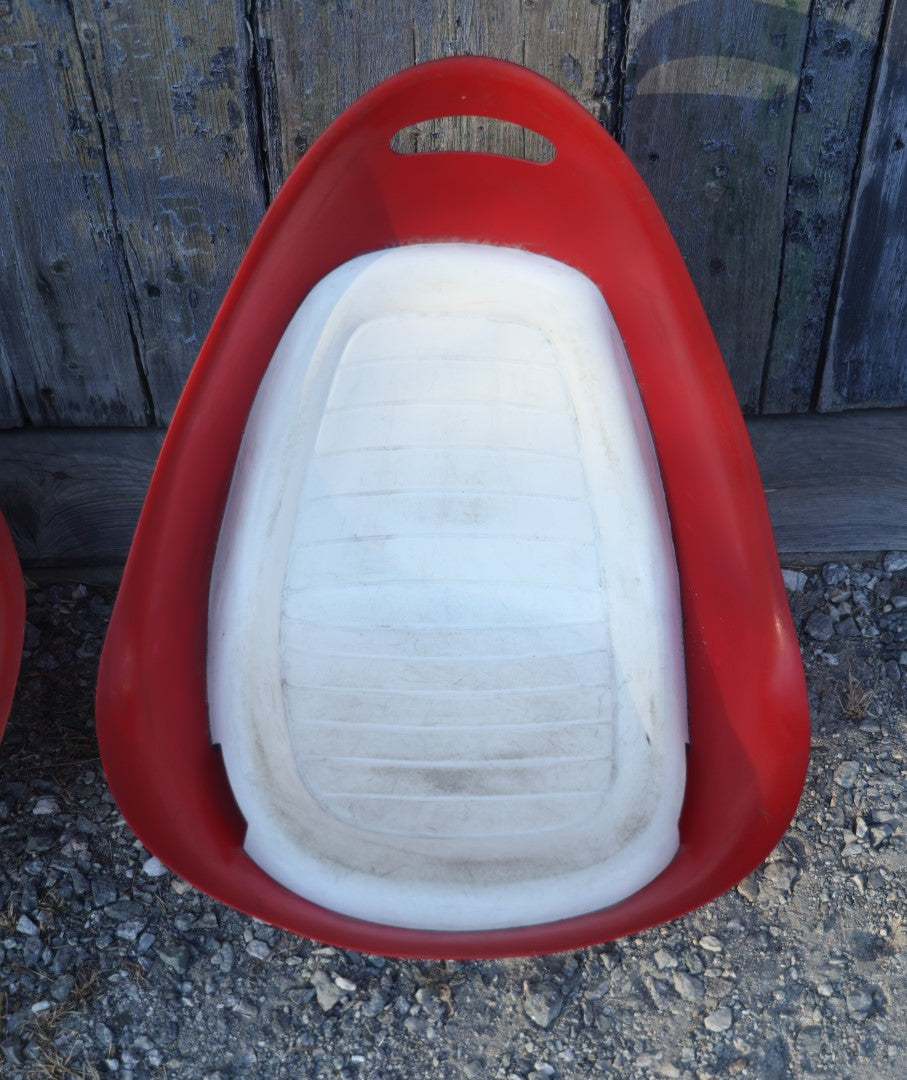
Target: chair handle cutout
[(474, 134)]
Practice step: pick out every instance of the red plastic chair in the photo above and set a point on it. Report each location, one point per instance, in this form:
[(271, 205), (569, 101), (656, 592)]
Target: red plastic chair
[(353, 194), (12, 621)]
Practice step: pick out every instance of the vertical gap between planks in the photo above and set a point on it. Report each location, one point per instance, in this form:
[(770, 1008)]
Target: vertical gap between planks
[(782, 255), (255, 93), (615, 60), (835, 292), (119, 243)]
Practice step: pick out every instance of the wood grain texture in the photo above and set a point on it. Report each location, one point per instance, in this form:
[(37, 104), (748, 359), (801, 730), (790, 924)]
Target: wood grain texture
[(867, 351), (834, 86), (142, 142), (67, 347), (708, 113), (833, 485), (172, 87), (74, 496), (315, 59), (318, 58)]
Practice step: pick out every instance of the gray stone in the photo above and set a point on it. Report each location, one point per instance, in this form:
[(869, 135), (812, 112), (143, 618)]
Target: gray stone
[(895, 561), (719, 1020), (542, 1005), (688, 987), (26, 926), (327, 992), (820, 627), (794, 580), (665, 959), (62, 987), (176, 957), (124, 910), (847, 628), (11, 1048), (835, 573), (375, 1004), (749, 888), (859, 1003), (899, 602), (847, 773), (103, 889), (862, 600), (131, 929), (259, 949), (780, 874)]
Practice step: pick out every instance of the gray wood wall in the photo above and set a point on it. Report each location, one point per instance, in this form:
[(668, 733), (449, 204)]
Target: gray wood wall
[(142, 142)]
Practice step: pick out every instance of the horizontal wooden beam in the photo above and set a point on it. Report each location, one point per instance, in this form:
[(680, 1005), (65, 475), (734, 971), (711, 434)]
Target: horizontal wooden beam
[(72, 496), (834, 485)]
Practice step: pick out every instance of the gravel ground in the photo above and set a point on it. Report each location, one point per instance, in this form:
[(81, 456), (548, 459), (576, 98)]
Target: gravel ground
[(109, 965)]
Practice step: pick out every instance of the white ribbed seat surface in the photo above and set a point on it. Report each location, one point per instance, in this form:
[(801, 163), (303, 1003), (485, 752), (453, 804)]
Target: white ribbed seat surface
[(444, 658)]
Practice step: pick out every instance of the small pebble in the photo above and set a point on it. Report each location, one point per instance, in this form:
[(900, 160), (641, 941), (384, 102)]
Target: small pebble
[(846, 774), (665, 959), (327, 992), (710, 943), (780, 874), (749, 888), (719, 1020), (153, 867), (835, 573), (688, 987), (895, 561), (259, 949), (46, 805), (542, 1006), (26, 926), (859, 1003), (820, 627), (794, 580)]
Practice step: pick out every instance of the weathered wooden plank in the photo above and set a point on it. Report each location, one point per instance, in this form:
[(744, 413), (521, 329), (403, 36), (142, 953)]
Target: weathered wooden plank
[(174, 85), (74, 496), (321, 57), (833, 484), (707, 118), (316, 59), (66, 336), (868, 341), (837, 71)]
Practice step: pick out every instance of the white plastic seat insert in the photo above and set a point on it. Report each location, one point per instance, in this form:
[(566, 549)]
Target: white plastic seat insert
[(445, 658)]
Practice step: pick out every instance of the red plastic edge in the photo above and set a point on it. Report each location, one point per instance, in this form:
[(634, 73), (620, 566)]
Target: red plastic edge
[(12, 621), (351, 194)]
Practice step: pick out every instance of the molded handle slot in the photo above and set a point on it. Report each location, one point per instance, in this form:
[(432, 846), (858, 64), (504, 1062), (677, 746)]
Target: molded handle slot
[(476, 134)]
